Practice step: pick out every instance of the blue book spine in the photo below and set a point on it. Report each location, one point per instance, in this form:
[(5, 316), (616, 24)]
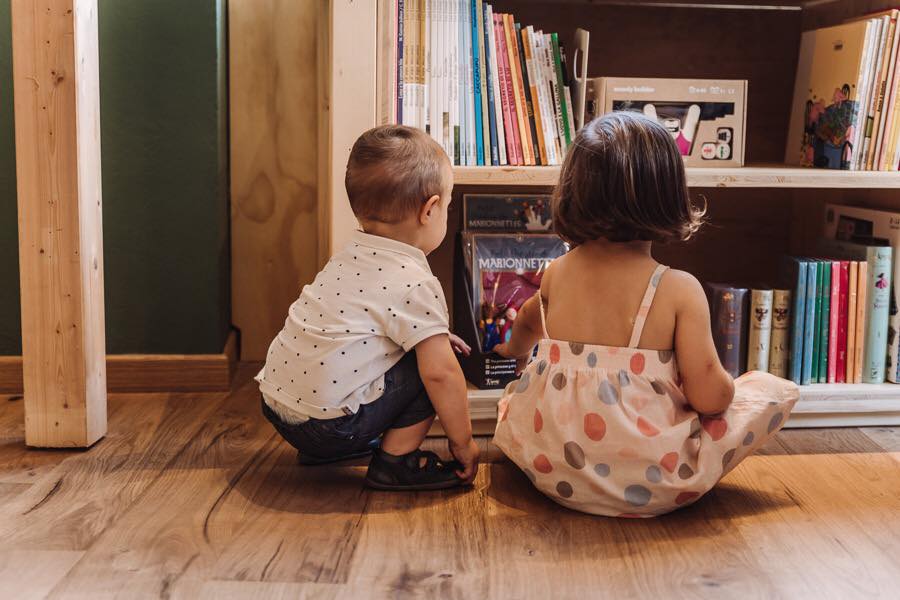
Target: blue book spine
[(878, 296), (799, 312), (492, 120), (809, 322), (476, 83), (400, 8), (825, 321)]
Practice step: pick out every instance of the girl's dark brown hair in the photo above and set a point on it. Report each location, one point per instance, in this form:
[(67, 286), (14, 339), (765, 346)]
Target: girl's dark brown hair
[(623, 180)]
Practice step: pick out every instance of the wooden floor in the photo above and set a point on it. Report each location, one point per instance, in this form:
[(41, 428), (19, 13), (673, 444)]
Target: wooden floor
[(193, 496)]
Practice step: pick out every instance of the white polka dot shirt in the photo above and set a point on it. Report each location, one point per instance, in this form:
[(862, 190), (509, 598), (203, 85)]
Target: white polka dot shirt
[(373, 302)]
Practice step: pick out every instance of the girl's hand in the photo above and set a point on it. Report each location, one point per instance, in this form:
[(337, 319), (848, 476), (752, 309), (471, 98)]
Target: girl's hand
[(521, 361), (459, 346)]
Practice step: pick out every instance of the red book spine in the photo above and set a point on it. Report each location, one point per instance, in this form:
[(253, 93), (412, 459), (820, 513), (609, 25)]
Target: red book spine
[(843, 317), (510, 127), (834, 319)]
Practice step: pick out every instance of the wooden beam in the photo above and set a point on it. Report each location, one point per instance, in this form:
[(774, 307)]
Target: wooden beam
[(57, 115)]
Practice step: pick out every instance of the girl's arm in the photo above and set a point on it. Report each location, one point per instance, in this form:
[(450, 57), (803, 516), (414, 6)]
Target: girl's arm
[(708, 387), (525, 333)]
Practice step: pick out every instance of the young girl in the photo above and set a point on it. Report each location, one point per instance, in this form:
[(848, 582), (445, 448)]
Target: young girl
[(626, 410)]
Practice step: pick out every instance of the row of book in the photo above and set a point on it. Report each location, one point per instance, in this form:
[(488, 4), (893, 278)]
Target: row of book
[(834, 320), (846, 112), (489, 90)]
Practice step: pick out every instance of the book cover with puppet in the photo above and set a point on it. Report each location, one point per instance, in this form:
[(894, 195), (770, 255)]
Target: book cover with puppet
[(505, 271)]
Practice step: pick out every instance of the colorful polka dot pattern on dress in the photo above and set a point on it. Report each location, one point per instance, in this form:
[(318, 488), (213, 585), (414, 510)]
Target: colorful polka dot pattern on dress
[(601, 431)]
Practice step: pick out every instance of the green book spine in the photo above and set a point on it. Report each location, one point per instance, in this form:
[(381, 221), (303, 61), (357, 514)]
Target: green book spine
[(817, 338), (557, 61), (825, 324)]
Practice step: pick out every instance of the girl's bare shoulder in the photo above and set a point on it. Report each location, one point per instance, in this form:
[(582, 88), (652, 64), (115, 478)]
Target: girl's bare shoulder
[(681, 288)]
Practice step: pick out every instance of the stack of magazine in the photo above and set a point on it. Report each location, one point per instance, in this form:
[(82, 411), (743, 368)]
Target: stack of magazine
[(505, 249)]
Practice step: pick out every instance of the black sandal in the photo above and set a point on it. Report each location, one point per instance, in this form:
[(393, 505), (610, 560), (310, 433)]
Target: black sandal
[(409, 473)]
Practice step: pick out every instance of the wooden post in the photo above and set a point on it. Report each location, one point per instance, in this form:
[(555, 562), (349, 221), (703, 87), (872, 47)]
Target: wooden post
[(57, 113)]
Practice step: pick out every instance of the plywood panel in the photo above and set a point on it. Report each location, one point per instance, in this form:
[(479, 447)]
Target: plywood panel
[(273, 96), (57, 114)]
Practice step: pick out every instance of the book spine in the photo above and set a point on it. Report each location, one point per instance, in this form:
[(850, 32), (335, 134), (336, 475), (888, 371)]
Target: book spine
[(810, 325), (497, 84), (760, 336), (421, 76), (555, 94), (851, 320), (483, 79), (490, 71), (799, 313), (834, 318), (564, 115), (476, 84), (540, 84), (825, 323), (529, 99), (874, 85), (889, 161), (728, 318), (472, 128), (890, 100), (527, 52), (887, 71), (859, 121), (401, 64), (453, 104), (509, 120), (878, 290), (425, 50), (567, 86), (518, 89), (862, 311), (817, 331), (841, 341), (780, 347)]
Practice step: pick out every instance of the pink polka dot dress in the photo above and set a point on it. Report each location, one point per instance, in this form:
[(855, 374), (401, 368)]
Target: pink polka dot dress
[(607, 430)]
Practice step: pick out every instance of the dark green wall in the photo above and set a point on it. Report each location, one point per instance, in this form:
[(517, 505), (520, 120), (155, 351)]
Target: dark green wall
[(163, 119), (10, 330)]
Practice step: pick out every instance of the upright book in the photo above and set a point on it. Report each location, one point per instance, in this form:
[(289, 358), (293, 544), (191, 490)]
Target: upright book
[(729, 306), (797, 278), (780, 346), (851, 320), (810, 326), (759, 340), (879, 298), (825, 117)]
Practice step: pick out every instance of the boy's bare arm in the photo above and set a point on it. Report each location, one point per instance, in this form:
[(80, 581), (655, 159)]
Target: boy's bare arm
[(446, 387)]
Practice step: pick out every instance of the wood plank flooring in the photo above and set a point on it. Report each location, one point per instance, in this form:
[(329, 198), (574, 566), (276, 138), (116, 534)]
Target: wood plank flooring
[(194, 496)]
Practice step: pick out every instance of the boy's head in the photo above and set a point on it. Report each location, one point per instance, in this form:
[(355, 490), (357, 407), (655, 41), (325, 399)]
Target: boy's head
[(399, 178), (623, 180)]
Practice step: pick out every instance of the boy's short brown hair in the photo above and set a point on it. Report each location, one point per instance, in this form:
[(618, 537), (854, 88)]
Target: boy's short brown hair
[(392, 171), (623, 180)]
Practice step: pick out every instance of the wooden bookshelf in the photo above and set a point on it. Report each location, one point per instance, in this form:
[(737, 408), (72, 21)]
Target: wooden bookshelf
[(771, 209), (820, 405), (768, 176)]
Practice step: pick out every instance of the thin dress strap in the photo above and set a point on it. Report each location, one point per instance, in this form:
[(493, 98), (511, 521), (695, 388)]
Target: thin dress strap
[(646, 303), (543, 317)]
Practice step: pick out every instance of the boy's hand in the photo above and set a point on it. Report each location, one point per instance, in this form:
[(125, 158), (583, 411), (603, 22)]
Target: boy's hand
[(521, 361), (459, 346), (468, 454)]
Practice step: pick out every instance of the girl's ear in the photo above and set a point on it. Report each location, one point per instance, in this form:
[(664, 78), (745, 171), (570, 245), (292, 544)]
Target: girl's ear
[(428, 208)]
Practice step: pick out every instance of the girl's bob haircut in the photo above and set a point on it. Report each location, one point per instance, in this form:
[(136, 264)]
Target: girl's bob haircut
[(623, 180)]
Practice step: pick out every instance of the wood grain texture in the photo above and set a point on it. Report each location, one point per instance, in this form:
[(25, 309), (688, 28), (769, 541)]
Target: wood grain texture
[(149, 372), (197, 497), (273, 93), (57, 114)]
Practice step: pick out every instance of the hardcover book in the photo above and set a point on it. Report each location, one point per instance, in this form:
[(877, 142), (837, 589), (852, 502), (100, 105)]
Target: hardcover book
[(810, 326), (797, 278), (759, 341), (862, 311), (497, 213), (780, 346), (879, 298), (729, 306), (851, 320), (825, 123), (842, 324), (834, 318)]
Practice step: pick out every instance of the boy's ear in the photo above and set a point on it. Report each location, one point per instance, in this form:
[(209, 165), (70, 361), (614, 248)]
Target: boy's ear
[(430, 206)]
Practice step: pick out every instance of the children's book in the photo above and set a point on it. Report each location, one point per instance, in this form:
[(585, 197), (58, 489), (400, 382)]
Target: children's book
[(834, 318), (477, 53), (729, 307), (810, 326), (530, 102), (500, 213), (862, 311), (820, 347), (851, 320), (825, 118), (492, 89), (760, 337), (843, 269), (505, 271), (781, 320), (878, 291), (797, 278)]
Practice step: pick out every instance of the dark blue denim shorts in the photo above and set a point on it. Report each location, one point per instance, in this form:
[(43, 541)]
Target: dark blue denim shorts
[(404, 402)]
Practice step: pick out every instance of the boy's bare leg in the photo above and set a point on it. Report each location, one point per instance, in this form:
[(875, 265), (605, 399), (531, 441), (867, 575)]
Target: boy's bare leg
[(404, 440)]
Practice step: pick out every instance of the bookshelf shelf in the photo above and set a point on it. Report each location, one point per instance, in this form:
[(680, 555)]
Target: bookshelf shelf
[(820, 405), (768, 176)]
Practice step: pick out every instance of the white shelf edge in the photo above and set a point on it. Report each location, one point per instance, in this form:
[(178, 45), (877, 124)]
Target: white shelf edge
[(703, 177), (820, 405)]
